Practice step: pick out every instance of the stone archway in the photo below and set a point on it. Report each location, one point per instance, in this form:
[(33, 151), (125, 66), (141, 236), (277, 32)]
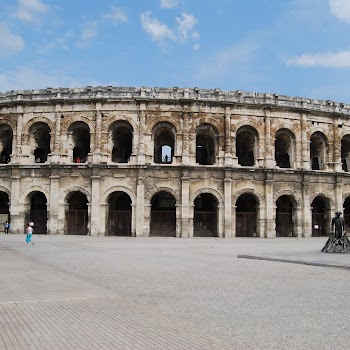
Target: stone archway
[(246, 216), (77, 214), (205, 216), (320, 217), (119, 214), (163, 215), (37, 212)]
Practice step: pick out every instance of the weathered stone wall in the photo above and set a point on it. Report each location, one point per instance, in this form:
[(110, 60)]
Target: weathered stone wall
[(224, 114)]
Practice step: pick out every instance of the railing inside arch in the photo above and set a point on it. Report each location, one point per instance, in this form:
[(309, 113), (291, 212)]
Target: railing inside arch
[(284, 225), (119, 223), (246, 224), (77, 222), (205, 224), (319, 225), (163, 223), (39, 218)]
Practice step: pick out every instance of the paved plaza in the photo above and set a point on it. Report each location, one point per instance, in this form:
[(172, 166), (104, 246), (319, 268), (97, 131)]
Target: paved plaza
[(71, 292)]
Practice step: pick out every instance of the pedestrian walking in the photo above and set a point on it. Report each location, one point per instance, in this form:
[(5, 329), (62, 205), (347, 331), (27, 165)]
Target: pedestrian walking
[(6, 227), (29, 232)]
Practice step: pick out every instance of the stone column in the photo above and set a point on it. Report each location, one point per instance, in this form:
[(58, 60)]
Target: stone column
[(221, 220), (140, 205), (305, 143), (97, 146), (298, 221), (55, 154), (269, 147), (141, 149), (228, 154), (53, 206), (227, 206), (185, 138), (17, 217), (185, 201), (234, 207), (134, 217), (18, 149), (95, 206), (307, 217), (337, 164), (338, 189), (269, 208)]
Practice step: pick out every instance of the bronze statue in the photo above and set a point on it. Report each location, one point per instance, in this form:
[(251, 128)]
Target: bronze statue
[(337, 242)]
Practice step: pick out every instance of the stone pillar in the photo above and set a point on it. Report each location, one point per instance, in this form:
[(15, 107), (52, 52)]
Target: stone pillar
[(269, 147), (18, 149), (96, 151), (337, 164), (269, 208), (178, 220), (305, 143), (95, 206), (53, 206), (185, 138), (298, 221), (221, 220), (227, 206), (141, 149), (185, 201), (234, 207), (55, 154), (133, 220), (17, 217), (140, 205), (307, 217), (338, 189), (228, 154)]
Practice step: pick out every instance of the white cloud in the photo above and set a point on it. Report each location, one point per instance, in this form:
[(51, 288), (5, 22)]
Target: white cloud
[(340, 9), (30, 10), (160, 32), (87, 34), (185, 25), (339, 59), (9, 43), (169, 4), (156, 29), (117, 15)]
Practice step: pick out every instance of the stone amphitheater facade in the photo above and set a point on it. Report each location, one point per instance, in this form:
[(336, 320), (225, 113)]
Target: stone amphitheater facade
[(172, 162)]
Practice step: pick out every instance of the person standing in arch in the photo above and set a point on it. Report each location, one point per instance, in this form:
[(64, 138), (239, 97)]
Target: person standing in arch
[(338, 225)]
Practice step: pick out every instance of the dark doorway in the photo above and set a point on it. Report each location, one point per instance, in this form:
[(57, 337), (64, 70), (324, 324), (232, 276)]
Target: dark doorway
[(347, 214), (4, 208), (320, 218), (163, 215), (246, 216), (284, 217), (121, 133), (164, 143), (6, 136), (283, 149), (77, 214), (245, 145), (119, 215), (38, 213), (80, 136), (205, 216), (41, 134)]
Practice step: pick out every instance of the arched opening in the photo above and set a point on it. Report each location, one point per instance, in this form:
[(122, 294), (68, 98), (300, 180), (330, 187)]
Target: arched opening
[(246, 143), (206, 140), (347, 214), (163, 215), (246, 216), (119, 214), (79, 140), (284, 217), (40, 141), (284, 149), (320, 217), (318, 149), (6, 136), (164, 142), (121, 134), (38, 212), (4, 208), (77, 214), (345, 153), (205, 216)]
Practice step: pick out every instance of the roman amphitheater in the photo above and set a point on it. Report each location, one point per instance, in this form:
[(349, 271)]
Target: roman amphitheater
[(172, 162)]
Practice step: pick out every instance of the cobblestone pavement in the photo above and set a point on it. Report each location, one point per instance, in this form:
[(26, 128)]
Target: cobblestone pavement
[(172, 293), (97, 320)]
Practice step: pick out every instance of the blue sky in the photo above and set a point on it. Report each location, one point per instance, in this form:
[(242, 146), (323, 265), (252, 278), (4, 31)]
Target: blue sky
[(290, 47)]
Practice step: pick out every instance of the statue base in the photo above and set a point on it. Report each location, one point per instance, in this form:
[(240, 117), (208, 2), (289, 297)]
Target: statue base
[(337, 245)]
